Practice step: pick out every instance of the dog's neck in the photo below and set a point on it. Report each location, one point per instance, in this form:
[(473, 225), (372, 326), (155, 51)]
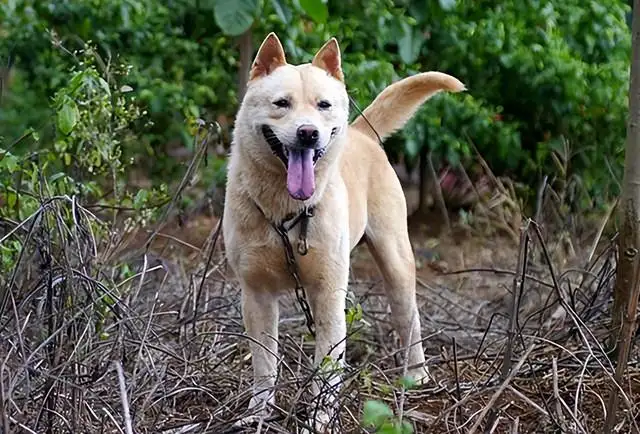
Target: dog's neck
[(270, 192)]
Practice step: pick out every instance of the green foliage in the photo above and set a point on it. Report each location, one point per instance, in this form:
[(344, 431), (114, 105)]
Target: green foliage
[(316, 9), (540, 74), (166, 45), (354, 315), (379, 415), (78, 155), (558, 70)]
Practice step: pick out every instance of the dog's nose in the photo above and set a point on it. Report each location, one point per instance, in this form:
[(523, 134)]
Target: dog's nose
[(308, 135)]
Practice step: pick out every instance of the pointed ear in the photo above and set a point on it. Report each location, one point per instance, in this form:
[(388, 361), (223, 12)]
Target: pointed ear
[(328, 58), (270, 56)]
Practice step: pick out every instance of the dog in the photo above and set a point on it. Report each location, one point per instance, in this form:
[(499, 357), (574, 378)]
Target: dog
[(293, 149)]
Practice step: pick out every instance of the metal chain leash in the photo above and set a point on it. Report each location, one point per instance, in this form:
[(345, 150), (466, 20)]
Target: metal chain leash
[(282, 229)]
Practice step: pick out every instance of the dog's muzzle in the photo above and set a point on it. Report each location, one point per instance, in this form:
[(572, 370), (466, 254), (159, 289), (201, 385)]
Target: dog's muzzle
[(282, 152)]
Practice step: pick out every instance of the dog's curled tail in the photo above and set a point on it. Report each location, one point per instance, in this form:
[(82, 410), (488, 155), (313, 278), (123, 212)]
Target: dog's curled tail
[(398, 102)]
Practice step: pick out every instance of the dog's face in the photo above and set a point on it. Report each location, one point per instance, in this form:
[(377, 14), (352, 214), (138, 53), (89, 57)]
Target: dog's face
[(295, 113)]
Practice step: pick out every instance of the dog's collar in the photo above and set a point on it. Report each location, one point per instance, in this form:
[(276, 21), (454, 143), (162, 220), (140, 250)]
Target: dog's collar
[(290, 221)]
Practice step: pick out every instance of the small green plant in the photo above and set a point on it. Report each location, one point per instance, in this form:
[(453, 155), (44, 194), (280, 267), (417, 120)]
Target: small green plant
[(380, 417), (330, 366), (354, 316)]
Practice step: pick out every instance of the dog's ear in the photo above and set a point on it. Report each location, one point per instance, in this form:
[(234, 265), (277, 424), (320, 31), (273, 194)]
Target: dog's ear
[(328, 58), (270, 56)]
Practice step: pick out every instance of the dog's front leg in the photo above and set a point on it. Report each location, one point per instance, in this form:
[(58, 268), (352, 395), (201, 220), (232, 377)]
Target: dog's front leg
[(328, 304), (260, 315)]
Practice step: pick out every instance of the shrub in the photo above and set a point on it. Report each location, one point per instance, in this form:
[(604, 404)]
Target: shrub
[(541, 75)]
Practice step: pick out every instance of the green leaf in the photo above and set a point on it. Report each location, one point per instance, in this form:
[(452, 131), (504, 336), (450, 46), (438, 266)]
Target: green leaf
[(235, 17), (410, 44), (76, 81), (407, 382), (104, 85), (375, 413), (140, 199), (405, 427), (354, 314), (316, 9), (53, 178), (9, 162), (12, 198), (67, 116), (282, 10)]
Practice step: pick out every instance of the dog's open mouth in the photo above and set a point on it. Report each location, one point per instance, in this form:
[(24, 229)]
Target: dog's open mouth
[(283, 152), (300, 163)]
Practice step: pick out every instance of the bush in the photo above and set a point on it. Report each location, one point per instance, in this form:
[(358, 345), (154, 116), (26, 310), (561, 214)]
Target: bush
[(542, 75), (78, 158), (559, 70), (165, 44)]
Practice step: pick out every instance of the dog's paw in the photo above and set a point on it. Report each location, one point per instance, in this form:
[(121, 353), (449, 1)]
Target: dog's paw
[(259, 409)]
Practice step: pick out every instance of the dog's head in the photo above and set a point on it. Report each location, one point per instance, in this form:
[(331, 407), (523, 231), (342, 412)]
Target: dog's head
[(295, 113)]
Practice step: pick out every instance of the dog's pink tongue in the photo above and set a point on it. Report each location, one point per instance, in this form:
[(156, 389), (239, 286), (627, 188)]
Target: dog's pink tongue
[(301, 181)]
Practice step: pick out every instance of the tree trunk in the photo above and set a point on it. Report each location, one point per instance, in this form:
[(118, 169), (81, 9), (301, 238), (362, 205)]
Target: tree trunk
[(246, 57), (627, 288)]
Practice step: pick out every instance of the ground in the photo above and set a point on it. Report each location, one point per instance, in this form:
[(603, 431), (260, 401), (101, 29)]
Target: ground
[(465, 281), (171, 356)]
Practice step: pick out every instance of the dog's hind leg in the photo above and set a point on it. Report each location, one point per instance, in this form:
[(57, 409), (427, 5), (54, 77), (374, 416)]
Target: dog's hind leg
[(388, 240), (394, 257)]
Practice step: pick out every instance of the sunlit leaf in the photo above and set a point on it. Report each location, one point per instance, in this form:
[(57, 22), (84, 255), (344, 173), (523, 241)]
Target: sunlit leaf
[(104, 85), (8, 162), (67, 117)]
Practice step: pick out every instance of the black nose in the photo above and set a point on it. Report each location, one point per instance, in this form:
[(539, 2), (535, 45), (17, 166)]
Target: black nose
[(308, 135)]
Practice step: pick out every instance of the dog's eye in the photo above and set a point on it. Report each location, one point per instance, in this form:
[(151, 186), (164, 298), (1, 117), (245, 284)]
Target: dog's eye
[(282, 103), (323, 105)]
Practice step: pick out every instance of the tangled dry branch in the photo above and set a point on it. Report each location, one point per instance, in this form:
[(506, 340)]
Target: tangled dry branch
[(85, 348)]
